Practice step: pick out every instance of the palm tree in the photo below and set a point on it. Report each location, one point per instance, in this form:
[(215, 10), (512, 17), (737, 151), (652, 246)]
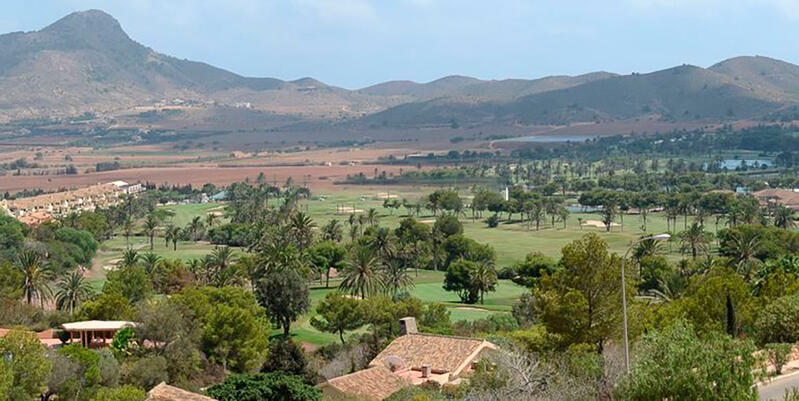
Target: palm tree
[(127, 227), (396, 278), (220, 267), (195, 266), (382, 243), (71, 291), (130, 257), (35, 275), (563, 215), (150, 225), (743, 246), (484, 278), (150, 261), (195, 226), (372, 217), (301, 227), (210, 219), (695, 238), (173, 234), (362, 275), (332, 231), (167, 234), (783, 217)]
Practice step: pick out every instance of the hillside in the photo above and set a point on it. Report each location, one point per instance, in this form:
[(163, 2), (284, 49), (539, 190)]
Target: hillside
[(680, 93), (86, 62), (479, 90)]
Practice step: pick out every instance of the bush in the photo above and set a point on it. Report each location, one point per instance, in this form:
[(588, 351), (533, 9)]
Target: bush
[(145, 372), (523, 310), (273, 386), (492, 324), (124, 393), (778, 355), (779, 321), (285, 356), (493, 221)]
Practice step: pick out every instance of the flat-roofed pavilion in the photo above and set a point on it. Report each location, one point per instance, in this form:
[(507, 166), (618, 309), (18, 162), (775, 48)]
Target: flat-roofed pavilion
[(95, 333)]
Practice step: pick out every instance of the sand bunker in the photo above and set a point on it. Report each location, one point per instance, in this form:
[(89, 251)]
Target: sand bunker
[(598, 224), (348, 210)]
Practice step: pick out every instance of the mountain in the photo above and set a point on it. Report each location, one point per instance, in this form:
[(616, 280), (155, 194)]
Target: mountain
[(475, 89), (763, 75), (86, 62), (728, 90)]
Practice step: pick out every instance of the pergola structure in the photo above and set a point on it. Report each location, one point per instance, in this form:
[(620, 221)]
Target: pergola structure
[(94, 333)]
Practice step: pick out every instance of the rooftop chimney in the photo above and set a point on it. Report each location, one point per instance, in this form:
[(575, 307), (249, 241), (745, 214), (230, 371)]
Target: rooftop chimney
[(426, 370), (407, 325)]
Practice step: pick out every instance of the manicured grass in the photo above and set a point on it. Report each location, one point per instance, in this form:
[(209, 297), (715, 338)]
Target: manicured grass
[(184, 213), (511, 240), (428, 288), (112, 249)]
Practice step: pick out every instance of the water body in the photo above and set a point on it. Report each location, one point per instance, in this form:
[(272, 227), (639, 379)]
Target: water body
[(732, 164), (549, 138)]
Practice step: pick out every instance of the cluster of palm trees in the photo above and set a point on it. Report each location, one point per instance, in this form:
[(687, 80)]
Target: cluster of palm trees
[(367, 273), (38, 279), (153, 223), (221, 267)]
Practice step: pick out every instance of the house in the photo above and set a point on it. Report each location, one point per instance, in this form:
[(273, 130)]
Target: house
[(165, 392), (776, 196), (36, 218), (411, 359), (95, 333)]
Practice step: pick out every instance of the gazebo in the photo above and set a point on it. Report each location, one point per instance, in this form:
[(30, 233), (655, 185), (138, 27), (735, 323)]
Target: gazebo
[(95, 333)]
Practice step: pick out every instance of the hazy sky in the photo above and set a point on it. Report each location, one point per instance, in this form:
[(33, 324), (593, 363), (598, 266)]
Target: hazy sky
[(355, 43)]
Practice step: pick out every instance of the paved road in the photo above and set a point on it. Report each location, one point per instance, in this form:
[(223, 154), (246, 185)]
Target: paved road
[(776, 388)]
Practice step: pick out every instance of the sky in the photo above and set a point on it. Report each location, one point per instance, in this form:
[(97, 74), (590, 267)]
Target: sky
[(357, 43)]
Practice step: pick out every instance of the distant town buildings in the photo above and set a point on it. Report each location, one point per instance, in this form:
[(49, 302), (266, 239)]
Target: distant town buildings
[(36, 210)]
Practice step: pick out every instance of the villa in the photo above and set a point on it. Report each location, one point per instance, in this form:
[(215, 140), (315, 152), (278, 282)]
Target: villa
[(411, 359)]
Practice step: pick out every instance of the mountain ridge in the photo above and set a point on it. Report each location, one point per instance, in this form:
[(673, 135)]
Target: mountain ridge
[(86, 62)]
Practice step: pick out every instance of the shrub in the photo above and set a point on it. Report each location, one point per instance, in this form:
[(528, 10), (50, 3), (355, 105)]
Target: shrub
[(778, 355), (273, 386), (493, 221), (779, 321), (124, 393)]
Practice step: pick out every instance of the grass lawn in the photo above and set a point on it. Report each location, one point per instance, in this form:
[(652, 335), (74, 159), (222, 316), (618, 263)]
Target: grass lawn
[(184, 213), (429, 289), (511, 240)]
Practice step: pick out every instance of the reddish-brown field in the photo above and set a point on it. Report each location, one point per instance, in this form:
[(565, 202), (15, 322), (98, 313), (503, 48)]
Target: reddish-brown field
[(318, 177)]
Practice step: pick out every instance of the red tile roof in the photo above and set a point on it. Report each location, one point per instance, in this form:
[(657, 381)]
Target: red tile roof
[(442, 353), (165, 392), (375, 383)]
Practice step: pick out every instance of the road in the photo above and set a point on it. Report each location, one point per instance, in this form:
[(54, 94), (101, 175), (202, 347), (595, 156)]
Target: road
[(776, 388)]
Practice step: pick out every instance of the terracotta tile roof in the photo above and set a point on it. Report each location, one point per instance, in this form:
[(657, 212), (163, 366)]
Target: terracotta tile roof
[(442, 353), (375, 383), (780, 196), (165, 392)]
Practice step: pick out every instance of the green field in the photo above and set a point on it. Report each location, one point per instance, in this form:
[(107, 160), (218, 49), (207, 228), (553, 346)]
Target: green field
[(512, 241), (428, 288)]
